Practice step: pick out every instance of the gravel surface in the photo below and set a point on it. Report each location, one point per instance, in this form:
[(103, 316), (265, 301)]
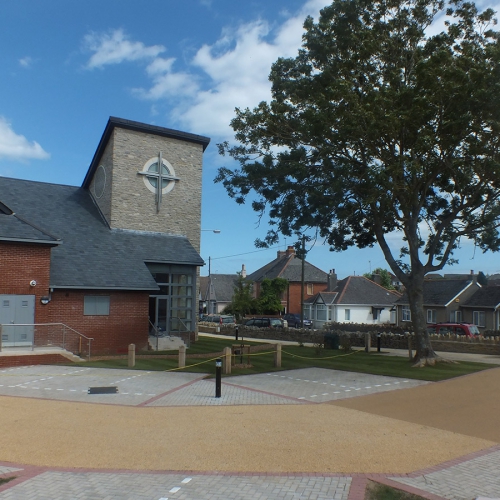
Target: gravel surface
[(296, 438)]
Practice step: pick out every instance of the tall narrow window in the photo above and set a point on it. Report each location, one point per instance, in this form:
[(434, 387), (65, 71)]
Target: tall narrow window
[(478, 318), (405, 314), (347, 314), (431, 315)]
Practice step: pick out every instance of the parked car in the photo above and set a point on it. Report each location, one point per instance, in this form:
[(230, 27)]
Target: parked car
[(454, 328), (294, 320), (221, 319), (265, 322)]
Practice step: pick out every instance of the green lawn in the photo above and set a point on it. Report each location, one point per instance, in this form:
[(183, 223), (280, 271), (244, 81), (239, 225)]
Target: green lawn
[(377, 491), (294, 357)]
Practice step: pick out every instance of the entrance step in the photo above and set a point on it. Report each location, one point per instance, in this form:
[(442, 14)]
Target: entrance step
[(168, 343)]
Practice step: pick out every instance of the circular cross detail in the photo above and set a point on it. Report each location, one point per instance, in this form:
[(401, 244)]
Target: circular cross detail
[(151, 175)]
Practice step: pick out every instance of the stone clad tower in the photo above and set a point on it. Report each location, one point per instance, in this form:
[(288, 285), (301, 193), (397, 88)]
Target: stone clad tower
[(133, 193)]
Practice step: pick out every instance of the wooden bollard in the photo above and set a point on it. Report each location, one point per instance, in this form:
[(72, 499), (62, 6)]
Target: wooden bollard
[(226, 361), (277, 356), (368, 342), (131, 355), (182, 356)]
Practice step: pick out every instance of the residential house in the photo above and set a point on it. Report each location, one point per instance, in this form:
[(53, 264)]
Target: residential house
[(288, 266), (442, 300), (111, 259), (483, 308), (354, 299), (216, 292)]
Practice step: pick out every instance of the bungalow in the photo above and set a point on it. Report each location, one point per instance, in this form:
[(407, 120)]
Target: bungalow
[(354, 299), (483, 308), (442, 300)]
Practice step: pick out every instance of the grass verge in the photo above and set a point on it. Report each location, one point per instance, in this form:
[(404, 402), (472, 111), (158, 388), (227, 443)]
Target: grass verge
[(375, 491), (4, 480), (295, 357)]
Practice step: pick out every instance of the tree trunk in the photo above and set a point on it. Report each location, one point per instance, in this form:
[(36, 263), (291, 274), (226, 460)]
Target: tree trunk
[(424, 354)]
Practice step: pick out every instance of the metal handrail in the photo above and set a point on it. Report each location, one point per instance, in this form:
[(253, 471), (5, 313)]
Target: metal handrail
[(81, 335)]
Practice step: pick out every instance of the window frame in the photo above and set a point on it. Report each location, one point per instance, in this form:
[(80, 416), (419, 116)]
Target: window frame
[(405, 313), (480, 315), (431, 316), (96, 305)]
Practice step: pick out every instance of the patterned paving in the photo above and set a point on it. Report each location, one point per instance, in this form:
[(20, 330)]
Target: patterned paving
[(477, 476), (99, 486), (466, 481)]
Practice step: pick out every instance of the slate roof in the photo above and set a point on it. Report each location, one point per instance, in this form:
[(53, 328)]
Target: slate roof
[(487, 296), (91, 255), (357, 290), (289, 267), (438, 292), (223, 286), (16, 229)]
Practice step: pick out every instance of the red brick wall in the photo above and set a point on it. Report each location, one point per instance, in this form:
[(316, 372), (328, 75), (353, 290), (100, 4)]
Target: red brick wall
[(21, 263), (293, 298), (126, 324), (36, 359)]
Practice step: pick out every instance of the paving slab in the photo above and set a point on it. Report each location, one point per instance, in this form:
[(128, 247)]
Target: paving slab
[(320, 385), (132, 486)]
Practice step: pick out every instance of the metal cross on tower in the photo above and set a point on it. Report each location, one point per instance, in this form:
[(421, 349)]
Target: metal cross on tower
[(159, 175)]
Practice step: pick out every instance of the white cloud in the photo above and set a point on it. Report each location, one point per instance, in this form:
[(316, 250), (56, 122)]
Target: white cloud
[(25, 62), (115, 48), (16, 147), (232, 72)]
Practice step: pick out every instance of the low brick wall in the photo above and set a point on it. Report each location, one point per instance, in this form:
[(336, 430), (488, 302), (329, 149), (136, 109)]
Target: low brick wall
[(35, 359)]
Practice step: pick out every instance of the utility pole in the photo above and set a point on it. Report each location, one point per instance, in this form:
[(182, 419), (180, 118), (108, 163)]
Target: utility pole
[(302, 281)]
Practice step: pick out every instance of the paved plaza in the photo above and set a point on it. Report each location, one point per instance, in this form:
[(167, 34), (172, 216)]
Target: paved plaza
[(465, 478)]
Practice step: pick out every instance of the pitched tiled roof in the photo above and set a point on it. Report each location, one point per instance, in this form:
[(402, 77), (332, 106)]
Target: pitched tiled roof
[(357, 290), (438, 292), (223, 286), (15, 229), (91, 254), (487, 296), (289, 267)]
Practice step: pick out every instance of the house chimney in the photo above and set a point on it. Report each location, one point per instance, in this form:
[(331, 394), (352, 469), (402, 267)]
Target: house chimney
[(290, 251), (243, 271), (331, 281), (376, 278), (281, 253)]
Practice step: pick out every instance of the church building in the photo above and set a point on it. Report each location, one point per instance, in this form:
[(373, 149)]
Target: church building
[(113, 260)]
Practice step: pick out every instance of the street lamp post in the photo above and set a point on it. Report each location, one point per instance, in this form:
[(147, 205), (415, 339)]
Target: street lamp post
[(209, 292)]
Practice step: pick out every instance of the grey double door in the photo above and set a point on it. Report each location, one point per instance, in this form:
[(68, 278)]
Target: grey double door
[(17, 315)]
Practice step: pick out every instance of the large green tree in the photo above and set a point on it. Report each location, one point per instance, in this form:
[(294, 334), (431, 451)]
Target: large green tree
[(380, 126), (271, 290), (385, 277)]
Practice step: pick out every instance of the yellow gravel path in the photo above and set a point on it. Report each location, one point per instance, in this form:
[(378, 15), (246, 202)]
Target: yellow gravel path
[(295, 438)]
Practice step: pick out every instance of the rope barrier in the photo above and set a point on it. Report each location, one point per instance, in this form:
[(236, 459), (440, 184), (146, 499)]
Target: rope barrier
[(317, 359)]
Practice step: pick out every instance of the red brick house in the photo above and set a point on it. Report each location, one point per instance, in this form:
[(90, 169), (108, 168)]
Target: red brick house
[(288, 266), (113, 259)]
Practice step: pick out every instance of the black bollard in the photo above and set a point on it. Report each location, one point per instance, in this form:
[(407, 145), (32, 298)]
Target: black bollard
[(378, 342), (218, 376), (236, 332)]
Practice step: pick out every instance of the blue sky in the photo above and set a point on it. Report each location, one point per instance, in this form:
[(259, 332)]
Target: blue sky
[(67, 66)]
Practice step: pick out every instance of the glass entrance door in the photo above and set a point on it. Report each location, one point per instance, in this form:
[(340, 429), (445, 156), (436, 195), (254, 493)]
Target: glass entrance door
[(158, 315)]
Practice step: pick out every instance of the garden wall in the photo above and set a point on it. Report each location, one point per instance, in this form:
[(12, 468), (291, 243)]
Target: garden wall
[(390, 337)]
